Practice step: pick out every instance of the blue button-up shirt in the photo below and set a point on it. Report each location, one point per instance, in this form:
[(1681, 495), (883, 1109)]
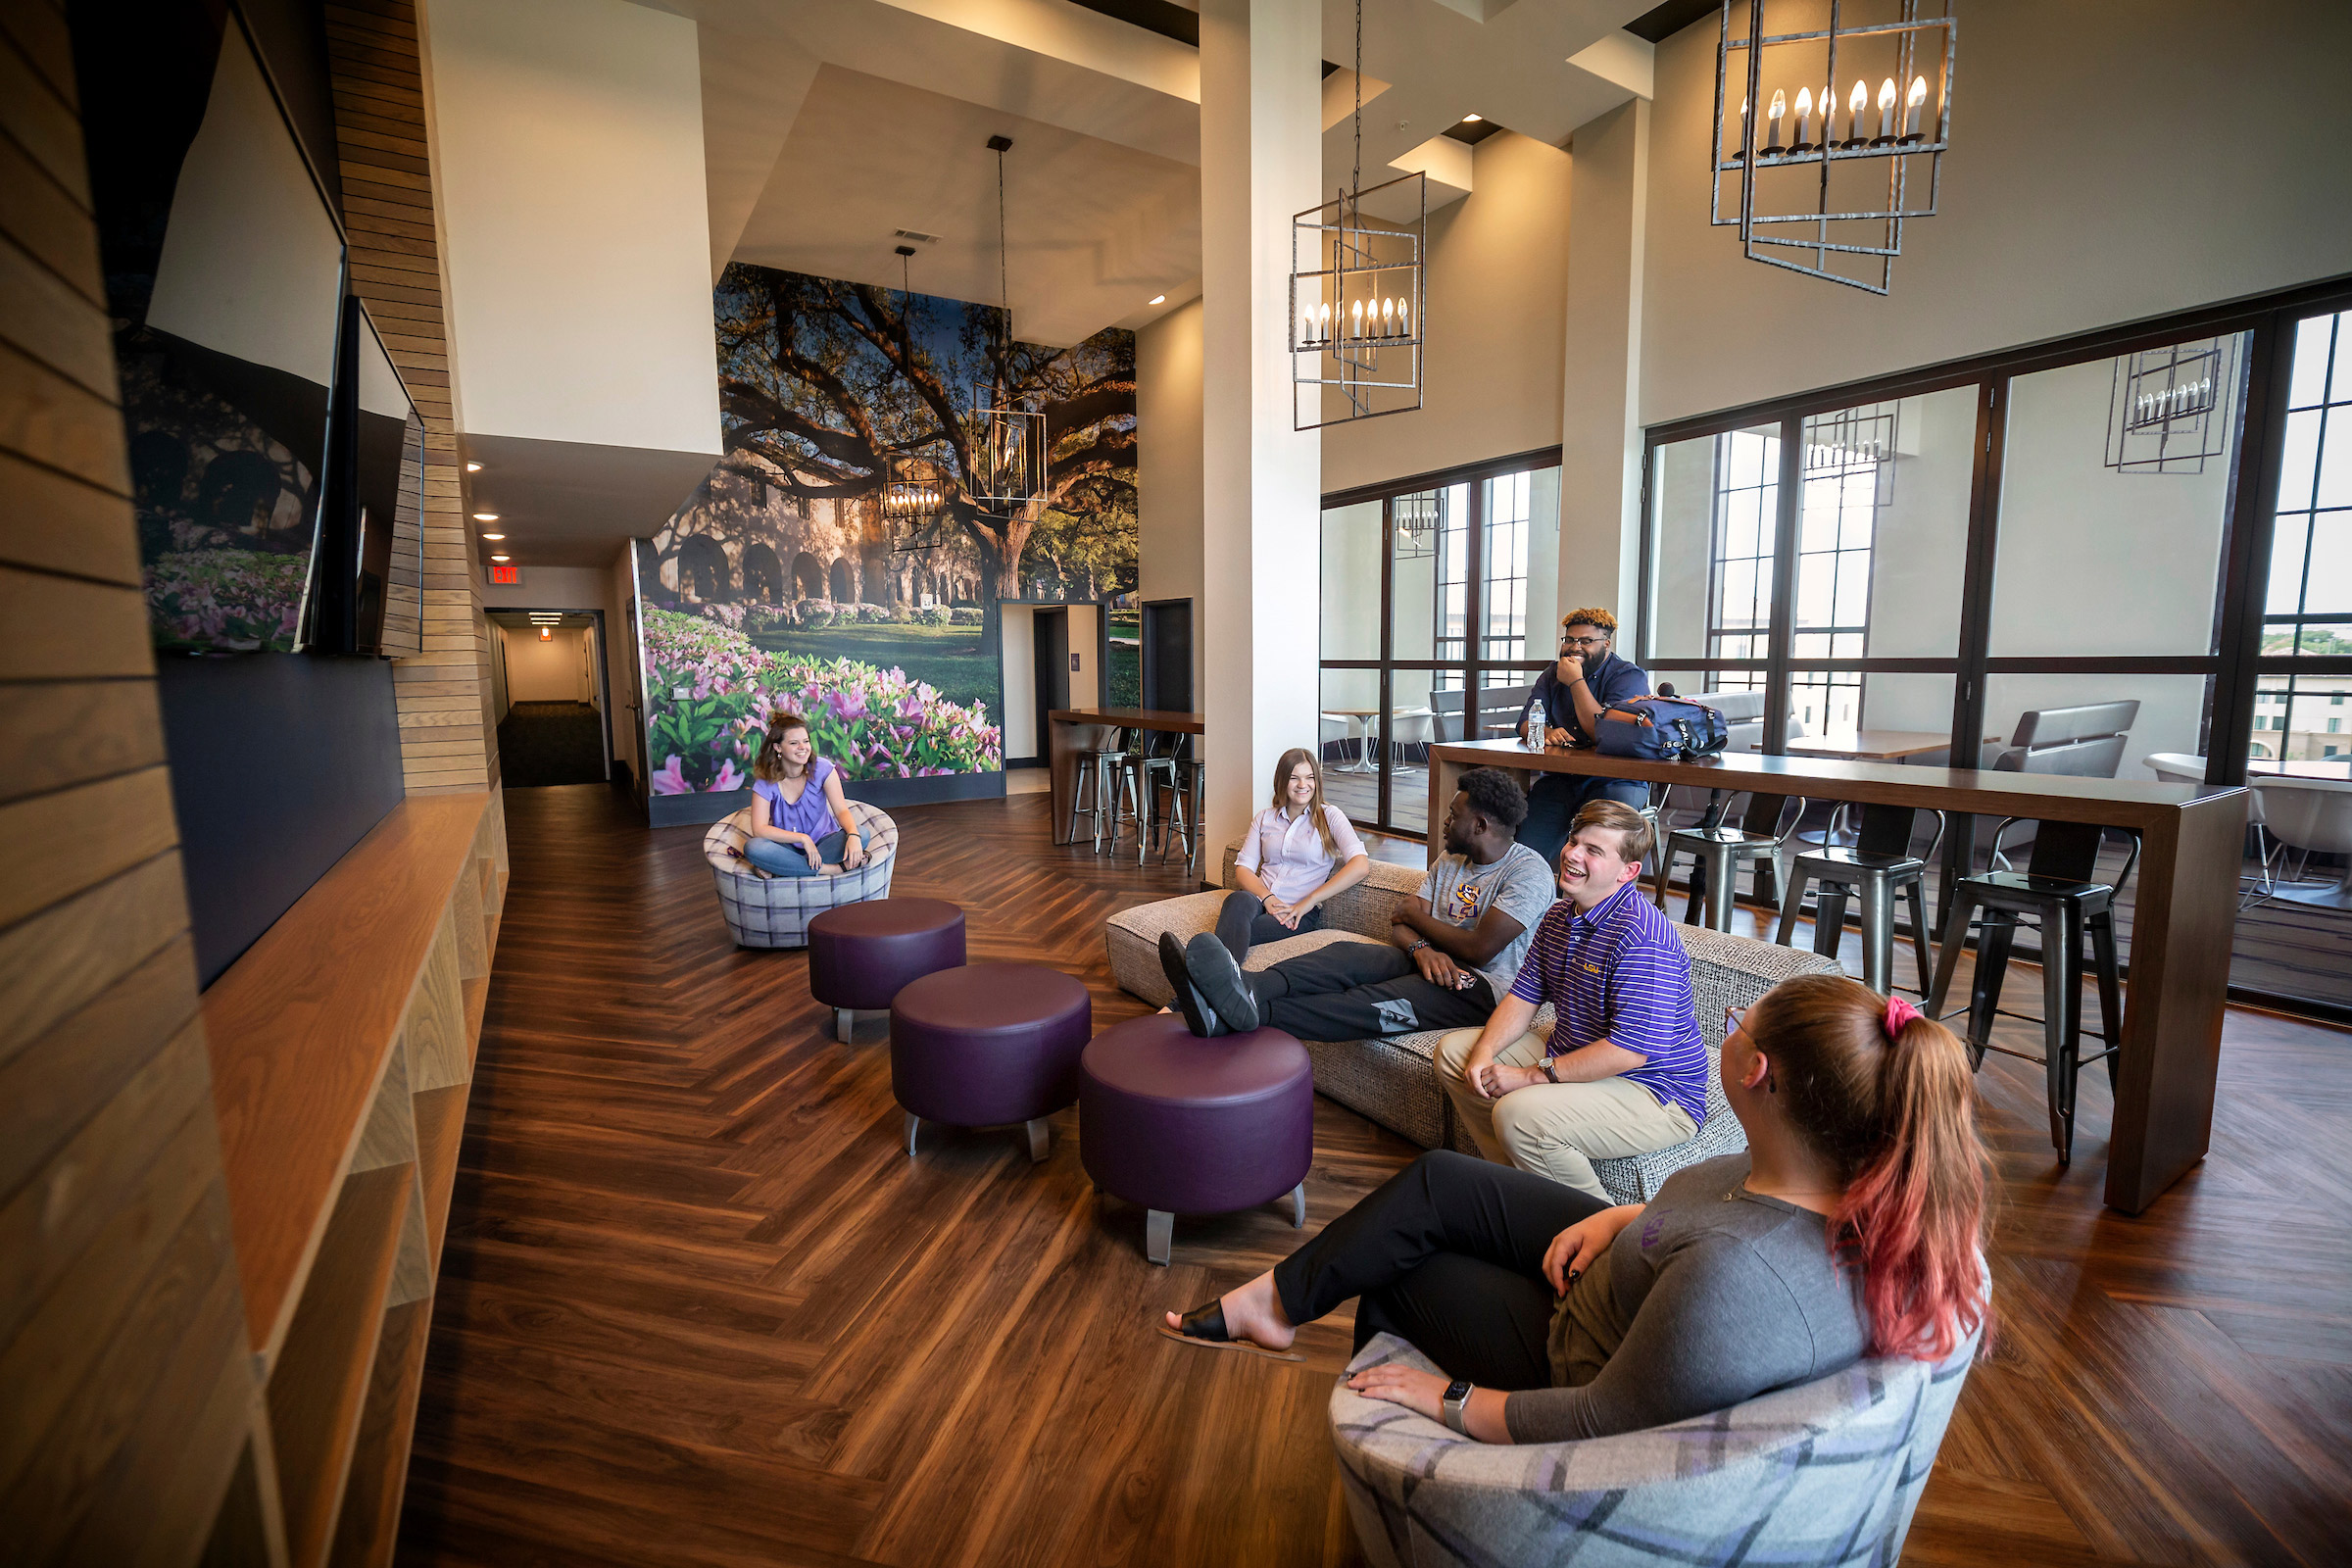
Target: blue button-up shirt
[(1612, 680), (1619, 973)]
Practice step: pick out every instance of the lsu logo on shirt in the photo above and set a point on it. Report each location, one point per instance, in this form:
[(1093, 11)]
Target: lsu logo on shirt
[(1465, 904)]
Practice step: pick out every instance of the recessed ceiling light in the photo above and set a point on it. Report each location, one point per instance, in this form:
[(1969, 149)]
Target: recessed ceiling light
[(485, 517), (473, 467), (501, 558), (1160, 299), (1470, 120), (494, 536)]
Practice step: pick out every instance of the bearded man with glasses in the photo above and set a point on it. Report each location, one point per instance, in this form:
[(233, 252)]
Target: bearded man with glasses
[(1588, 677)]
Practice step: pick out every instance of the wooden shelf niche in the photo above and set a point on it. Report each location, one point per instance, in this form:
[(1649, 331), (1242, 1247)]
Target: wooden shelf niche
[(343, 1044)]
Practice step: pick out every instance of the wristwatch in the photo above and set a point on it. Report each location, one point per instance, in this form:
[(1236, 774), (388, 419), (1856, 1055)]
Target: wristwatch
[(1457, 1399), (1549, 1071)]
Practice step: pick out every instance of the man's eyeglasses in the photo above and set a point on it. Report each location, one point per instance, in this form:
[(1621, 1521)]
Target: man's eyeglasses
[(1583, 642)]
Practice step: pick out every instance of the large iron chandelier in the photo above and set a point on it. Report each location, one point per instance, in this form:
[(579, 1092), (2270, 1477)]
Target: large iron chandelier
[(914, 491), (1802, 196), (2164, 415), (1356, 292), (1009, 439)]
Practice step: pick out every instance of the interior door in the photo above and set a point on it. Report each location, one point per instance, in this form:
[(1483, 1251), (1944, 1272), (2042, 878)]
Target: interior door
[(1051, 630)]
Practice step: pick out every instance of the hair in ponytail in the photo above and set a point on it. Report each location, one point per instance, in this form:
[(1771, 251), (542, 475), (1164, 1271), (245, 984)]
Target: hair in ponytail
[(1885, 1093)]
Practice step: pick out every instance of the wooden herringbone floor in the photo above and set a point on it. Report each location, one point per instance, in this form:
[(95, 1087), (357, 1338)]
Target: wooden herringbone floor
[(697, 1308)]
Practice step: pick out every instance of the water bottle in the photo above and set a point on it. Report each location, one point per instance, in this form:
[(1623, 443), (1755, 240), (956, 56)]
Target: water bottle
[(1533, 738)]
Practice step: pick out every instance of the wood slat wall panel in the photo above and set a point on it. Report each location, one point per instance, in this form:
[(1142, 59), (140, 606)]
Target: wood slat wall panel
[(385, 164), (119, 1298)]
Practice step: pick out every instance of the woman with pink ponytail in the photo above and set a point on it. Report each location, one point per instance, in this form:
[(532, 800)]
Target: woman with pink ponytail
[(1853, 1225)]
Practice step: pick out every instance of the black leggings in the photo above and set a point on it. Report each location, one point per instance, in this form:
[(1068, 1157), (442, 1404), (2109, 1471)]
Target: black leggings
[(1449, 1254), (1242, 921)]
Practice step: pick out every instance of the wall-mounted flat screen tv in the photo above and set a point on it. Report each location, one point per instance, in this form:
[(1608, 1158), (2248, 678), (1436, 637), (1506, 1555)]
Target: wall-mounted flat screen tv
[(224, 276), (367, 588)]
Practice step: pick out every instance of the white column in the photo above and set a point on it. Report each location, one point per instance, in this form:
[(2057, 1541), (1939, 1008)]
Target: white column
[(1262, 152), (1601, 423)]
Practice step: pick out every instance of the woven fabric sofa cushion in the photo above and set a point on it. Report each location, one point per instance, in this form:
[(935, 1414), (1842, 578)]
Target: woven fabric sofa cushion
[(1827, 1472)]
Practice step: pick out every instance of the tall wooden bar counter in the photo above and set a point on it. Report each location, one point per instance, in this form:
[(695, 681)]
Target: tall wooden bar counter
[(2185, 906), (1071, 730)]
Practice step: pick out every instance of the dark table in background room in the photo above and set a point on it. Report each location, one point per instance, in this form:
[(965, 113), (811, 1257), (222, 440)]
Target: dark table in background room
[(1071, 731), (2184, 915)]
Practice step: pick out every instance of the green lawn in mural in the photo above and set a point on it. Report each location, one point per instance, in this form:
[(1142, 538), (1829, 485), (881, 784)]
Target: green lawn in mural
[(1125, 677), (948, 658)]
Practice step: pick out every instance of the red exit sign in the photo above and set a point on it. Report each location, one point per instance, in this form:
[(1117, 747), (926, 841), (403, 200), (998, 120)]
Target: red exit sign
[(506, 574)]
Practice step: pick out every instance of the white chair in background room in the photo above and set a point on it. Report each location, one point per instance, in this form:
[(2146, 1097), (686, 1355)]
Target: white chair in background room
[(2310, 816), (2179, 767)]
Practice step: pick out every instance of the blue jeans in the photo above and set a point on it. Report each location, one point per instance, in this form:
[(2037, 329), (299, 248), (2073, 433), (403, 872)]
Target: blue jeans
[(790, 859), (1553, 805)]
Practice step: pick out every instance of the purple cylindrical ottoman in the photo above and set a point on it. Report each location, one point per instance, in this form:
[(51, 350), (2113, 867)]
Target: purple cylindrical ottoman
[(861, 954), (1189, 1126), (987, 1045)]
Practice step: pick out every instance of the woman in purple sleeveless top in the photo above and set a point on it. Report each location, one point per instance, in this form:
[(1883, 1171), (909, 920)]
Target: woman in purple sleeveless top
[(801, 826)]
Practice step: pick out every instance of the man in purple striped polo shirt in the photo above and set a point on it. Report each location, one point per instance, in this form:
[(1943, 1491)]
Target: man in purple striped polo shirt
[(1624, 1070)]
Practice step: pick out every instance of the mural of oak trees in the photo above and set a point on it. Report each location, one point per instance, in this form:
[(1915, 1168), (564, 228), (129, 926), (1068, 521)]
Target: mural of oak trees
[(822, 383)]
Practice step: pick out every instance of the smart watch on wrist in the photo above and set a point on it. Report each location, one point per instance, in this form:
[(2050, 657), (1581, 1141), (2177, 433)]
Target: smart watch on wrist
[(1457, 1400)]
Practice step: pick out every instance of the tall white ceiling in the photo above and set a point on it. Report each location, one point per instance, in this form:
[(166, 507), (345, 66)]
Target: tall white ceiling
[(830, 123)]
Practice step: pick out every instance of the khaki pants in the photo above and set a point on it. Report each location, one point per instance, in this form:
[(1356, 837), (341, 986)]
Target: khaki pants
[(1557, 1130)]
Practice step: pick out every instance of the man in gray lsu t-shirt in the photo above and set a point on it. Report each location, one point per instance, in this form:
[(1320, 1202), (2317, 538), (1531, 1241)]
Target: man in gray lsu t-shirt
[(1455, 946)]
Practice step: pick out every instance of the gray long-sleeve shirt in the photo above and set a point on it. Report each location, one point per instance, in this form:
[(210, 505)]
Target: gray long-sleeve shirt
[(1712, 1296)]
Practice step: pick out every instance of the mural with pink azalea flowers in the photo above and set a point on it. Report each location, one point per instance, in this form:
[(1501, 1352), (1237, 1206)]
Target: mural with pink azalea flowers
[(716, 691)]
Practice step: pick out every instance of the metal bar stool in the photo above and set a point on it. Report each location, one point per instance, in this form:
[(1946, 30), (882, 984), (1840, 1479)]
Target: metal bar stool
[(1877, 867), (1155, 769), (1719, 850), (1184, 782), (1094, 785), (2057, 889), (1124, 765)]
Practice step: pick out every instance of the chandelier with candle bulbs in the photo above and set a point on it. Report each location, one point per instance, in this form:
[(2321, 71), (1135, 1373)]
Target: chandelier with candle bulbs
[(2168, 411), (1356, 292), (1418, 517), (1802, 194)]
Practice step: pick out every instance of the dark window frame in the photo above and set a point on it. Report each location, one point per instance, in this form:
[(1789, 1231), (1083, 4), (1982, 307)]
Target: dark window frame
[(2235, 669)]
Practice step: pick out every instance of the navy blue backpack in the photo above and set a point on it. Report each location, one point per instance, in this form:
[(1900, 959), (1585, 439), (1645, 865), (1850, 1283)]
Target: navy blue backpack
[(1662, 729)]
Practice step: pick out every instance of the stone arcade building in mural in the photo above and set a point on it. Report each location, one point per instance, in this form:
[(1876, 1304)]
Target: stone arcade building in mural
[(741, 539)]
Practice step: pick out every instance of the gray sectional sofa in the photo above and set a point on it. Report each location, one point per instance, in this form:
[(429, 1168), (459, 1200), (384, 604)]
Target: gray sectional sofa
[(1392, 1080)]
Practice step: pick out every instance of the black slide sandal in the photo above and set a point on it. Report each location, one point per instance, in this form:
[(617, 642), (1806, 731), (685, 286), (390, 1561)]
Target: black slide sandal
[(1205, 1326)]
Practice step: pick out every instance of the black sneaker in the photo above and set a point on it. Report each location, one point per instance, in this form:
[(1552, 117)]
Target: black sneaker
[(1199, 1015), (1210, 964)]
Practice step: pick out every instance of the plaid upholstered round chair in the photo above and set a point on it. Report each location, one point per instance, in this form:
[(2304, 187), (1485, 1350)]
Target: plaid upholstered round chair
[(1827, 1472), (774, 911)]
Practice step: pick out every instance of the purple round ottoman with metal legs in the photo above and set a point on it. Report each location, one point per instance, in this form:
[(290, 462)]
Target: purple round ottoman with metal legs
[(861, 954), (1189, 1126), (988, 1044)]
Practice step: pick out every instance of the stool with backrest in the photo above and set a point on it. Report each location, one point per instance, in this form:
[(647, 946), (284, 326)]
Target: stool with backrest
[(1719, 850), (1093, 785), (1181, 817), (1876, 868), (1155, 770), (2060, 891), (1126, 765)]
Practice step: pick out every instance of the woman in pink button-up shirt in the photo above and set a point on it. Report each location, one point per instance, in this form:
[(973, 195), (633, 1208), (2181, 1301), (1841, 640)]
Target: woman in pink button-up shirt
[(1299, 852)]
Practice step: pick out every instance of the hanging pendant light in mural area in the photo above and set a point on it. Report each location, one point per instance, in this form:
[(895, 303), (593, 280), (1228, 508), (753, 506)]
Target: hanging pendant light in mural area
[(1802, 195), (915, 489), (1009, 437), (1356, 292)]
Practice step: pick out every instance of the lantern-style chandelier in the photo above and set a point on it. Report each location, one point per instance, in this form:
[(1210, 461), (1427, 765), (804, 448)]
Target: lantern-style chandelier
[(1802, 195), (915, 492), (2162, 416), (1009, 439), (1356, 292), (1419, 518)]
